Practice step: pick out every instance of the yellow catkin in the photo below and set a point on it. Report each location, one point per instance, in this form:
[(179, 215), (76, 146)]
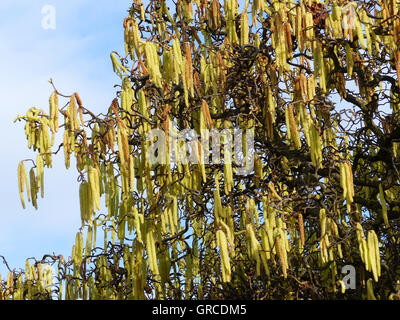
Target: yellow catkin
[(309, 23), (342, 287), (349, 60), (78, 247), (322, 219), (40, 174), (189, 68), (343, 179), (123, 146), (273, 191), (23, 180), (349, 182), (54, 111), (151, 252), (370, 290), (82, 202), (132, 173), (288, 37), (138, 220), (94, 187), (244, 28), (228, 176), (383, 204), (67, 148), (377, 255), (217, 205), (78, 99), (254, 246), (73, 113), (34, 189), (371, 254), (360, 33), (266, 243), (316, 145), (301, 229), (324, 248), (281, 255), (229, 235), (365, 253), (206, 113), (258, 168), (223, 245), (153, 63)]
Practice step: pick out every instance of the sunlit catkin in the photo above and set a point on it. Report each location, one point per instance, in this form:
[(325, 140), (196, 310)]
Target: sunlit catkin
[(281, 254), (54, 111), (383, 204), (23, 180), (223, 245)]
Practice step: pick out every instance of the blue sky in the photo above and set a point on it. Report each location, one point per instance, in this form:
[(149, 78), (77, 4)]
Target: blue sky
[(76, 56)]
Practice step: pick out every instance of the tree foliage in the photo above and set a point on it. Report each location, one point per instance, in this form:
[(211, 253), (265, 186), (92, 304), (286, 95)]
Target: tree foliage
[(315, 82)]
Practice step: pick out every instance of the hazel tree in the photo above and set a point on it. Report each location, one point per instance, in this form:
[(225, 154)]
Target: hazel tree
[(309, 90)]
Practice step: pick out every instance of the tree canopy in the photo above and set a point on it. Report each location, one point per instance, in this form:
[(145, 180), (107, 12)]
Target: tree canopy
[(313, 89)]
